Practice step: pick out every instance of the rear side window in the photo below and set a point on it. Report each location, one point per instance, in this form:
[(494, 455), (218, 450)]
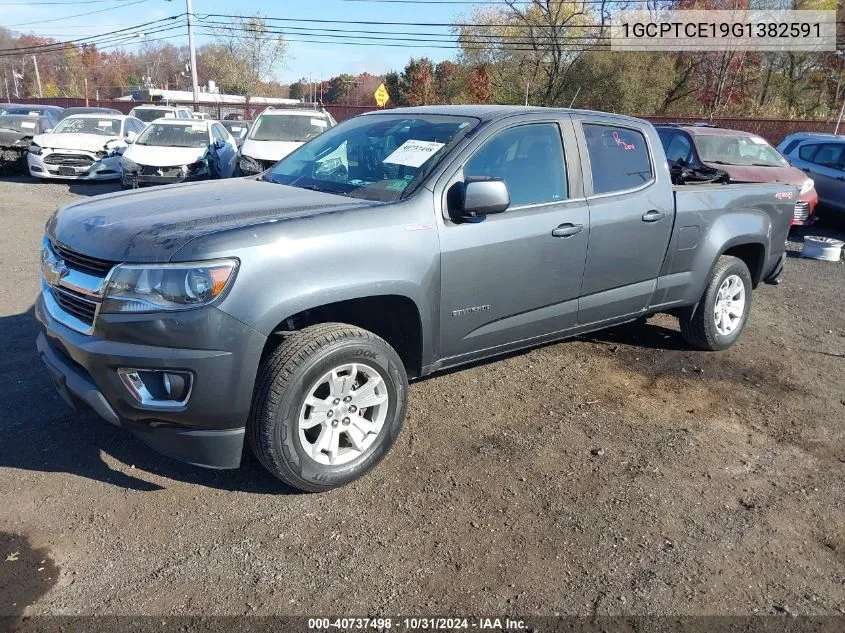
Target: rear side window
[(677, 148), (529, 158), (807, 151), (619, 158), (830, 155)]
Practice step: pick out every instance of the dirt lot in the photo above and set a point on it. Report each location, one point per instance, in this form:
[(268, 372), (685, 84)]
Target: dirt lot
[(621, 473)]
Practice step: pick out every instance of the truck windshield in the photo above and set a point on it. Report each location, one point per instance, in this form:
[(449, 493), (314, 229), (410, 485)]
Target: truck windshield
[(289, 127), (737, 150), (374, 157), (175, 135)]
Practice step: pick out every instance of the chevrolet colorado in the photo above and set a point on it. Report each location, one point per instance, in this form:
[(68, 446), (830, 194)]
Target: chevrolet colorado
[(290, 308)]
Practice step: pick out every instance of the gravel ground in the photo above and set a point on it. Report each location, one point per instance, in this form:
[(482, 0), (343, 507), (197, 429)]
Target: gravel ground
[(619, 473)]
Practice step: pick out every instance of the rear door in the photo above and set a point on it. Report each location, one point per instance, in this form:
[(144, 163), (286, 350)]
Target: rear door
[(631, 214), (825, 164), (515, 276)]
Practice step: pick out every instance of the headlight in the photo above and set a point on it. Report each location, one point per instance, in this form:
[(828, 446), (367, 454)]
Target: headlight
[(807, 186), (35, 149), (129, 165), (250, 165), (156, 287)]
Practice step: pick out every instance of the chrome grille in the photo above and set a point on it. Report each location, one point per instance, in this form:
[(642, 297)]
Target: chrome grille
[(801, 212), (69, 160), (85, 263), (76, 304)]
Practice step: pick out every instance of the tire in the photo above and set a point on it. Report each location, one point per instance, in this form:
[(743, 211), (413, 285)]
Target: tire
[(702, 329), (280, 435)]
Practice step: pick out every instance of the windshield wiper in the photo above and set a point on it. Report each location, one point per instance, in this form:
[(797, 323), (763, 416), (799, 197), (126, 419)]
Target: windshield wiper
[(320, 189)]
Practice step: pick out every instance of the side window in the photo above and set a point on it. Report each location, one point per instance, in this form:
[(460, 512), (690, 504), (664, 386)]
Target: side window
[(790, 146), (807, 152), (529, 158), (679, 148), (830, 155), (619, 157)]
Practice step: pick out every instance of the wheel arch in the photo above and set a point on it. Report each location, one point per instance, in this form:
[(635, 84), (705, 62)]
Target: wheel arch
[(394, 317)]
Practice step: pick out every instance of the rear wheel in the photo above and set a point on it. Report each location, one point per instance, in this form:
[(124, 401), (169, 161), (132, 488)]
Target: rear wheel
[(723, 311), (329, 403)]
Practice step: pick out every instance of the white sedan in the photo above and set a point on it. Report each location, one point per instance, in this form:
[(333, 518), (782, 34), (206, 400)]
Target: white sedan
[(82, 146), (173, 150)]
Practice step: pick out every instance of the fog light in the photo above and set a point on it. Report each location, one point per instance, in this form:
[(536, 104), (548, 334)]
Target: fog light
[(157, 387), (175, 385)]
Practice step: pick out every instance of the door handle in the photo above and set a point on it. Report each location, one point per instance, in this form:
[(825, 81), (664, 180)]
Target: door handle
[(653, 216), (567, 230)]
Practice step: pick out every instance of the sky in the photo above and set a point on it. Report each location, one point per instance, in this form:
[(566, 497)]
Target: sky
[(53, 18)]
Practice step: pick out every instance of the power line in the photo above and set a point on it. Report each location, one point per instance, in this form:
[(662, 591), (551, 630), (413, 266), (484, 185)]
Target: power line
[(374, 35), (78, 15), (90, 39), (99, 41), (29, 3), (384, 23)]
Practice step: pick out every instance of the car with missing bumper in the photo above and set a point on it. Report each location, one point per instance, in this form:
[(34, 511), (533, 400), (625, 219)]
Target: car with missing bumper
[(172, 151), (290, 310), (275, 133), (83, 146), (16, 134)]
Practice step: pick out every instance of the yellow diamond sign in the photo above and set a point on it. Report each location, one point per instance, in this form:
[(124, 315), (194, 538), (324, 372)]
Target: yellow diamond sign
[(381, 95)]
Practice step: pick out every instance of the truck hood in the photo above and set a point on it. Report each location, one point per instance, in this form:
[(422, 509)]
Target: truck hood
[(744, 173), (84, 142), (268, 150), (156, 156), (150, 225)]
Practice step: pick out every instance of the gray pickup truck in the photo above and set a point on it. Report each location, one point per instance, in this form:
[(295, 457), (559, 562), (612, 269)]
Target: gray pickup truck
[(291, 308)]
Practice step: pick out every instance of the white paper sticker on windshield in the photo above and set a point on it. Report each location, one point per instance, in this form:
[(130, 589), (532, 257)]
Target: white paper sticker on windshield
[(319, 123), (413, 153), (28, 125), (35, 113), (758, 140), (198, 127), (103, 123)]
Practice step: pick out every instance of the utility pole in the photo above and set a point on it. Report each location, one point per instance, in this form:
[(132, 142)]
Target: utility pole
[(37, 77), (195, 86), (6, 79), (86, 91)]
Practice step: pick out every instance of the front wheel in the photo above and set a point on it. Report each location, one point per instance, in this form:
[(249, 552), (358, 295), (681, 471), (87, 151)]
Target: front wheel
[(329, 403), (723, 311)]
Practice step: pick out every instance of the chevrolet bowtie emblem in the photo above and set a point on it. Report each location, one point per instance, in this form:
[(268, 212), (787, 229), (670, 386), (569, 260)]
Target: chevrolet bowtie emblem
[(53, 270)]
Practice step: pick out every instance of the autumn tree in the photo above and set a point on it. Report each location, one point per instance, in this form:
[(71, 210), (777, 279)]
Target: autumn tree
[(249, 54)]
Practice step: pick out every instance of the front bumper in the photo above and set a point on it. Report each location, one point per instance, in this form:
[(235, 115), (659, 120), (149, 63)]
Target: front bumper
[(167, 176), (107, 168), (208, 430)]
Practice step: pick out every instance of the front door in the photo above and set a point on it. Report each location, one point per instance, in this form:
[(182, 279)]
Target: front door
[(515, 276)]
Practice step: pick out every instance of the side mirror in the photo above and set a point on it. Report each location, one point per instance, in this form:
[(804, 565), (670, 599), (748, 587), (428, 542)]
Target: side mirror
[(48, 130), (481, 196), (130, 137)]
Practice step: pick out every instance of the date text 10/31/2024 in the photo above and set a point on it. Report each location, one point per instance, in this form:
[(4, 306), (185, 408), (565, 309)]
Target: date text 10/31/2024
[(417, 624)]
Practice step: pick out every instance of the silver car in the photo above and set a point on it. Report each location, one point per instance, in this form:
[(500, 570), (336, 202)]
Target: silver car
[(822, 157)]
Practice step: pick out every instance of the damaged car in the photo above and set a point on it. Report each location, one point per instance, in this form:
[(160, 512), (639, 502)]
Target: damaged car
[(172, 150), (83, 146), (16, 134)]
